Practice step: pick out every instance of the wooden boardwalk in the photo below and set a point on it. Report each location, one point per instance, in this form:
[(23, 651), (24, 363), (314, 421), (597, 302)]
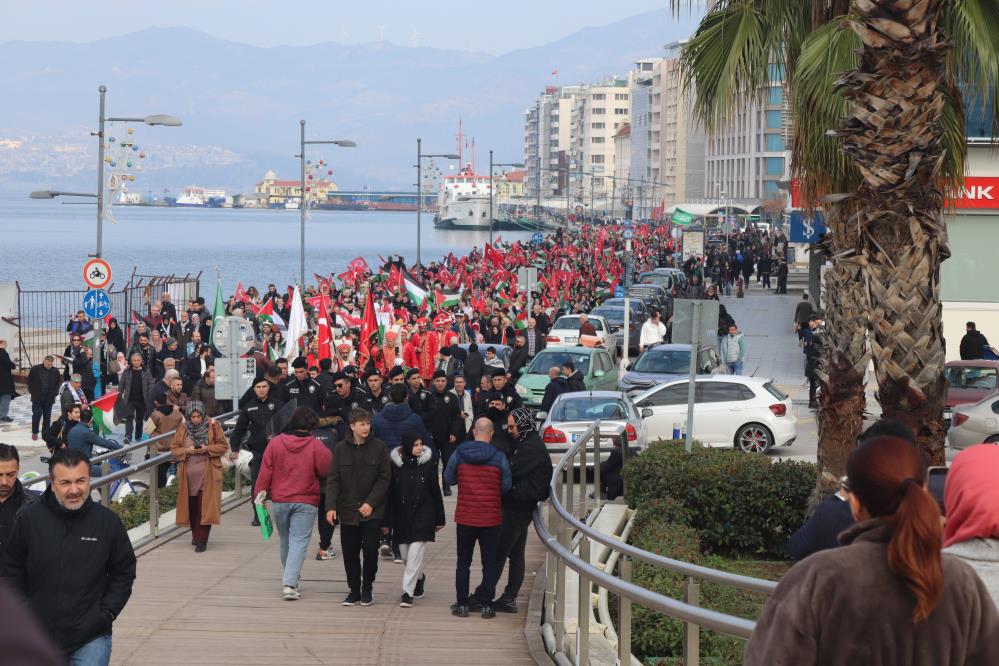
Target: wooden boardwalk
[(224, 606)]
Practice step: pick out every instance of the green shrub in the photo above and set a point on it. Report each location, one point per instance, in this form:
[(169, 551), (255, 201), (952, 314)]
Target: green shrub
[(741, 505), (134, 509)]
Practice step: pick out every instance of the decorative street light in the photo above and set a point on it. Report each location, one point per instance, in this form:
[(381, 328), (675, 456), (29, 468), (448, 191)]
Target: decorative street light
[(419, 188), (515, 165), (343, 143)]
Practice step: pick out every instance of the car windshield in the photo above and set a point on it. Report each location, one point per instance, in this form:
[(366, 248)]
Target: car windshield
[(970, 377), (619, 303), (589, 409), (664, 280), (571, 323), (554, 358), (612, 315), (664, 362)]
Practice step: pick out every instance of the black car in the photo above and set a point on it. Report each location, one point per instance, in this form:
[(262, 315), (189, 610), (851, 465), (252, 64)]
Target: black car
[(655, 297), (614, 314)]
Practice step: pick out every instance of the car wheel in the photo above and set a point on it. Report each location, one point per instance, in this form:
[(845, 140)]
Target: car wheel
[(994, 439), (754, 438)]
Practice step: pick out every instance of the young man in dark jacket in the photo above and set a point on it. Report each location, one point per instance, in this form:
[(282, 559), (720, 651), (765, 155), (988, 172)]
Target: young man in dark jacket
[(356, 490), (482, 474), (442, 417), (44, 381), (254, 419), (76, 605), (13, 496), (531, 470)]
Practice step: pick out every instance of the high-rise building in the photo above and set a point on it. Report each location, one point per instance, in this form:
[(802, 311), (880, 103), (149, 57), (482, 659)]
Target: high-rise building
[(597, 115), (747, 158), (547, 137)]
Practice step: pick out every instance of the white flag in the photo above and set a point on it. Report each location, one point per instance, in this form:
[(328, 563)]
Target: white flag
[(297, 326)]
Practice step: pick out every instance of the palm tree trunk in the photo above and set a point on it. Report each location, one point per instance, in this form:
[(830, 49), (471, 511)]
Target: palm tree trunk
[(845, 359), (894, 135)]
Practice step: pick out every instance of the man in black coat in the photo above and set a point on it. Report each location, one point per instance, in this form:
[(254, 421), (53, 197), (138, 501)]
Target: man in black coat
[(77, 610), (531, 468), (254, 420), (302, 387), (473, 367), (43, 385), (13, 496), (518, 357), (821, 531), (442, 416), (7, 392), (973, 343), (573, 377), (557, 385), (338, 403)]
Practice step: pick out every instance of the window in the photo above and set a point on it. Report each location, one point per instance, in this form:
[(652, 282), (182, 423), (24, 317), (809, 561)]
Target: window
[(775, 143), (671, 395), (773, 119), (718, 392), (597, 139), (771, 189), (621, 96), (776, 96), (598, 125), (620, 112), (774, 166), (596, 159), (598, 97), (598, 111), (776, 71)]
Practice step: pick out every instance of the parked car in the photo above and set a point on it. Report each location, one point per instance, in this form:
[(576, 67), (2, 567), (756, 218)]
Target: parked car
[(637, 306), (968, 382), (975, 423), (503, 351), (747, 413), (614, 314), (666, 362), (573, 413), (565, 332), (669, 281), (655, 297), (595, 364)]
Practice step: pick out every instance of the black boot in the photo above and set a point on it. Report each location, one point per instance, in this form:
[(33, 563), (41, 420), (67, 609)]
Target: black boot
[(505, 605)]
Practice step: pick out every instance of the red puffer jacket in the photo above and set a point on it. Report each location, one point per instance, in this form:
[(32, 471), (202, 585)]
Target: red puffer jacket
[(483, 475)]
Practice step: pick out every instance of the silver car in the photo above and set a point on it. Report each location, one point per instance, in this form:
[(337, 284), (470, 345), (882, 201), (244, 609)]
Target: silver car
[(573, 413), (975, 423)]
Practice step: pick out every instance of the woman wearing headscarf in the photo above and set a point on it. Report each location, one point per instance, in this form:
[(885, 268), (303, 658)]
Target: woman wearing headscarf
[(888, 596), (415, 510), (198, 447), (971, 497), (115, 336)]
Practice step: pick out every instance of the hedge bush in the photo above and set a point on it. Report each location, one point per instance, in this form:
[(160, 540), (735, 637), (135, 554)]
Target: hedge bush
[(134, 509), (741, 505)]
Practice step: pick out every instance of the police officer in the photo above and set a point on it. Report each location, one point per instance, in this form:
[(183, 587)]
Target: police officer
[(417, 393), (338, 403), (254, 419), (377, 396), (442, 416), (506, 390), (302, 387)]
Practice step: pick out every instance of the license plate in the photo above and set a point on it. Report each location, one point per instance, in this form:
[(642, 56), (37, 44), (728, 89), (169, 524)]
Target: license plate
[(568, 339), (574, 437)]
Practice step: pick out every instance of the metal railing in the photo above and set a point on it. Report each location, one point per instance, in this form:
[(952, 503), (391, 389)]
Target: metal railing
[(563, 533), (149, 466)]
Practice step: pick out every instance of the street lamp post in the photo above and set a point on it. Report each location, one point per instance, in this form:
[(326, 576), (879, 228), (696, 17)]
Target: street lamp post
[(152, 120), (343, 143), (516, 165), (419, 190)]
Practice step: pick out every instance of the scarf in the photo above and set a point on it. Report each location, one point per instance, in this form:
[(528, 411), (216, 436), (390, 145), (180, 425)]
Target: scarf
[(524, 421), (199, 432), (972, 495)]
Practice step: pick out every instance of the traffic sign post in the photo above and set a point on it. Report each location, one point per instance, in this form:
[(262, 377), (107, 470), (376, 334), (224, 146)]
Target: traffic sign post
[(233, 372), (96, 304), (537, 238), (97, 273)]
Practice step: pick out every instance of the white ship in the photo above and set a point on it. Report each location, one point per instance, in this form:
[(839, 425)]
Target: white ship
[(463, 201), (199, 197)]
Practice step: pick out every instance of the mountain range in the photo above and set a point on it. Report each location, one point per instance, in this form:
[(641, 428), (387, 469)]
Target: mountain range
[(241, 104)]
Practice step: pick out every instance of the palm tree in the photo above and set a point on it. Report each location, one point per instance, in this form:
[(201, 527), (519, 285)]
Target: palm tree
[(875, 238)]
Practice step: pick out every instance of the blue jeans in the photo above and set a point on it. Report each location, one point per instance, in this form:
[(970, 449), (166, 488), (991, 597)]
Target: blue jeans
[(95, 653), (293, 521), (735, 367), (4, 405)]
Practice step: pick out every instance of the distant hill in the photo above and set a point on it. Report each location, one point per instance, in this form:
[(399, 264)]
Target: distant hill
[(245, 101)]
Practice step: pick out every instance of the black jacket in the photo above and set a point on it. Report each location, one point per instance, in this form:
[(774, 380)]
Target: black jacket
[(973, 346), (336, 410), (415, 505), (575, 381), (43, 385), (821, 531), (472, 369), (531, 467), (358, 475), (442, 416), (75, 568), (518, 359), (555, 388), (6, 378), (19, 499), (308, 393), (255, 419)]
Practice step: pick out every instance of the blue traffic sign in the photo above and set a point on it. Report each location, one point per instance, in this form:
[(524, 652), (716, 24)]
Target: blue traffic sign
[(538, 238), (618, 292), (629, 234), (96, 304)]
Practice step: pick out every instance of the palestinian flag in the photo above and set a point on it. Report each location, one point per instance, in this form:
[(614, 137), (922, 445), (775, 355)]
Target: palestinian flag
[(103, 409), (417, 292), (448, 298), (218, 312), (503, 297), (520, 322), (267, 313), (608, 291)]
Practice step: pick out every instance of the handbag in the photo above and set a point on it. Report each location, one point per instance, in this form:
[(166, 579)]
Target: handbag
[(226, 462)]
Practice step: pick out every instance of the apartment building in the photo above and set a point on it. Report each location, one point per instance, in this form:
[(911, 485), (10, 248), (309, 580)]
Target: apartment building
[(598, 113), (547, 137)]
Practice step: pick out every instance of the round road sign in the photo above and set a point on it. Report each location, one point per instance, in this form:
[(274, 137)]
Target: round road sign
[(97, 273)]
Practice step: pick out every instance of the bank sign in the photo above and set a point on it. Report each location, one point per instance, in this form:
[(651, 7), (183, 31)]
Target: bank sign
[(978, 192)]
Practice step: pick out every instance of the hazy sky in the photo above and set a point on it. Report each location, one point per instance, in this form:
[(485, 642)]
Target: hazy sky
[(495, 27)]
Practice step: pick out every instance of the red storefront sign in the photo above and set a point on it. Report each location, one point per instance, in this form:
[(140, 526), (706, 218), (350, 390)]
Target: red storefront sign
[(978, 192)]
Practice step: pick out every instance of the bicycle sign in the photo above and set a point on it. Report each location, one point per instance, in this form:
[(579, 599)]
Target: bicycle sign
[(96, 304), (97, 273)]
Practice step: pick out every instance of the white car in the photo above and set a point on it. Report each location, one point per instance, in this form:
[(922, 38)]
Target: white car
[(565, 333), (975, 423), (573, 413), (748, 413)]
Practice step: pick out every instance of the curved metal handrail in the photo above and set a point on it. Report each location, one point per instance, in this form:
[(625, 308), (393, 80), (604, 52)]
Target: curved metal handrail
[(561, 545)]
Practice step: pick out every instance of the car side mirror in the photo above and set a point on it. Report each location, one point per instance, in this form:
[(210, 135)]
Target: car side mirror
[(541, 416), (598, 373), (646, 412), (629, 366)]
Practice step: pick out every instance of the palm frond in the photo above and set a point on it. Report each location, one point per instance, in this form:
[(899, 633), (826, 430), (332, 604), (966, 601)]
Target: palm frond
[(973, 28), (817, 106)]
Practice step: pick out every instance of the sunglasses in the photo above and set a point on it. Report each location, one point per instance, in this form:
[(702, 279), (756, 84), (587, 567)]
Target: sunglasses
[(341, 385)]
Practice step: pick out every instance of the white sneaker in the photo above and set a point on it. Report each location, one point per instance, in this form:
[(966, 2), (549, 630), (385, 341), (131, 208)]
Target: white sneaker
[(290, 593), (385, 550)]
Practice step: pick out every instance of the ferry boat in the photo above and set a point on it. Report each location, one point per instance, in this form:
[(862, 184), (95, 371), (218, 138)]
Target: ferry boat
[(198, 197), (463, 199)]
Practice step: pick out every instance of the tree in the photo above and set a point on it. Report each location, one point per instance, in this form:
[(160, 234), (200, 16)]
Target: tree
[(727, 62)]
